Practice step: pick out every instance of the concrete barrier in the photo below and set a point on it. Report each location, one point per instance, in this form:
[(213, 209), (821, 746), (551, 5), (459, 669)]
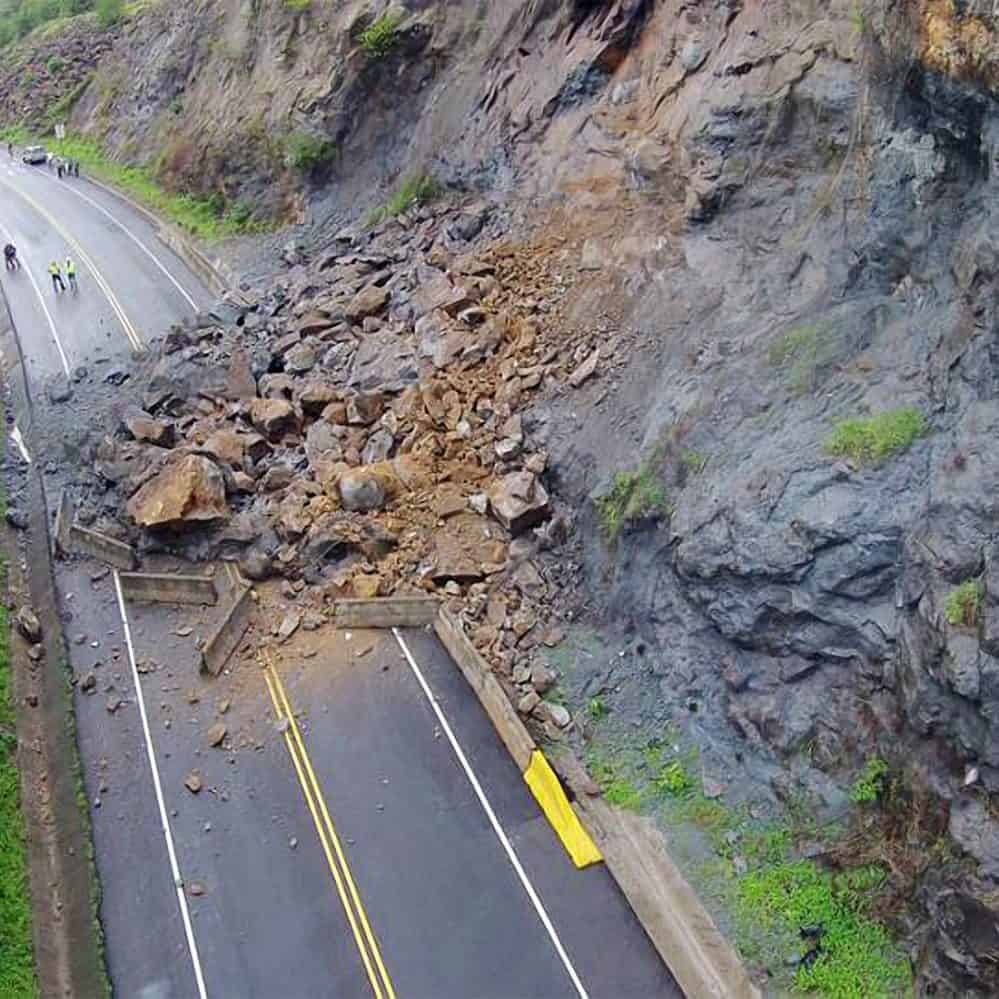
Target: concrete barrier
[(63, 522), (224, 641), (169, 588), (101, 547), (493, 697), (701, 959), (387, 612)]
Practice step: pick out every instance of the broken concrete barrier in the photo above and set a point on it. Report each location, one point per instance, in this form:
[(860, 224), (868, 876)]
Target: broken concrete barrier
[(387, 612), (168, 588), (225, 639), (101, 547), (63, 523)]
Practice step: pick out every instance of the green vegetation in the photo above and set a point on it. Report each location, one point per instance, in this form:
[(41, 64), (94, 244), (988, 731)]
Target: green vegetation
[(810, 926), (17, 975), (801, 351), (18, 17), (308, 153), (597, 709), (633, 496), (878, 437), (56, 64), (845, 953), (674, 779), (869, 786), (210, 218), (109, 11), (417, 190), (60, 109), (298, 4), (693, 461), (964, 604), (379, 39)]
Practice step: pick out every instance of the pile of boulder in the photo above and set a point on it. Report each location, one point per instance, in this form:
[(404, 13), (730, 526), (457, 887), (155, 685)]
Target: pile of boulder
[(358, 429)]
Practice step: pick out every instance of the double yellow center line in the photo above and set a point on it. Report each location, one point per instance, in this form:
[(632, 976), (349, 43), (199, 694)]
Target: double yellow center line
[(130, 331), (364, 937)]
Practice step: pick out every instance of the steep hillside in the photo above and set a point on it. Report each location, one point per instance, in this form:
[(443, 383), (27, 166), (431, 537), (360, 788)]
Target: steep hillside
[(775, 223)]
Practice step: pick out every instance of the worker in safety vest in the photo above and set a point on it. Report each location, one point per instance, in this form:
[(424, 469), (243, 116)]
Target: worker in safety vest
[(71, 274), (56, 273)]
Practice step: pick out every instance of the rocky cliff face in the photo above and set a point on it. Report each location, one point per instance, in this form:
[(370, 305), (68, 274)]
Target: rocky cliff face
[(770, 217)]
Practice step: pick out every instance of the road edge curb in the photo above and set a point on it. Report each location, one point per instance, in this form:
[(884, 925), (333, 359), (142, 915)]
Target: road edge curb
[(211, 270), (62, 865)]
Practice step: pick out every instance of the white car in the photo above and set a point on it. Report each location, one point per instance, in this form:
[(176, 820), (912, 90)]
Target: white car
[(35, 154)]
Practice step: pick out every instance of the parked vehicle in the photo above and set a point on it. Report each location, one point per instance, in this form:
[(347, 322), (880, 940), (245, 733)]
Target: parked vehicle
[(35, 155)]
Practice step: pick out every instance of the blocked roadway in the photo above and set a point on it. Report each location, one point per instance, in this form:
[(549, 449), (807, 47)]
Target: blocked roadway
[(230, 891)]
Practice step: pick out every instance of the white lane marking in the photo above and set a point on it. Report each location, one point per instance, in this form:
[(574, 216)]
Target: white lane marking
[(41, 299), (138, 242), (493, 820), (18, 439), (164, 821)]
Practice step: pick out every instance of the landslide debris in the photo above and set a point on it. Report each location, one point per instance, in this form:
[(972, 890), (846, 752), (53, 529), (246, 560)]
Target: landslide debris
[(356, 428)]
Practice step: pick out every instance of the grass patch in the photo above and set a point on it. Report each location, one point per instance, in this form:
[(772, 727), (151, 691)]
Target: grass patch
[(633, 496), (17, 970), (871, 440), (380, 37), (417, 190), (210, 218), (813, 928), (820, 918), (964, 604)]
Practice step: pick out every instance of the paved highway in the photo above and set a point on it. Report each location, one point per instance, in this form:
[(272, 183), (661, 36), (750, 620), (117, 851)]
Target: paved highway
[(339, 843)]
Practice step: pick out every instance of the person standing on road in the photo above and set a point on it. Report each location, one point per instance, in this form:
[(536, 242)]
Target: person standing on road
[(59, 168), (71, 274), (56, 272), (10, 149), (76, 168)]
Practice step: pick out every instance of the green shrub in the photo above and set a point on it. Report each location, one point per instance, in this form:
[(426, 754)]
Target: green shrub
[(109, 11), (633, 496), (964, 604), (674, 779), (869, 786), (417, 190), (308, 153), (56, 64), (597, 708), (878, 437), (380, 37)]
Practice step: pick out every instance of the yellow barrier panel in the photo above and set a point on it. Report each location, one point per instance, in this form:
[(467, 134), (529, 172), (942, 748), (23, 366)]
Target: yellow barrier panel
[(545, 787)]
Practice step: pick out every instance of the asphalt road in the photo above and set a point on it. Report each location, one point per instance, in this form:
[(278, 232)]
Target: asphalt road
[(131, 287), (337, 846)]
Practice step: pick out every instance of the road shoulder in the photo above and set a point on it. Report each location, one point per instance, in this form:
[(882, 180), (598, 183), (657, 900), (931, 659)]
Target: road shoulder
[(64, 891)]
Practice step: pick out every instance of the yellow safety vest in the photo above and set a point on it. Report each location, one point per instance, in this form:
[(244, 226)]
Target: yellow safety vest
[(54, 268), (70, 268)]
